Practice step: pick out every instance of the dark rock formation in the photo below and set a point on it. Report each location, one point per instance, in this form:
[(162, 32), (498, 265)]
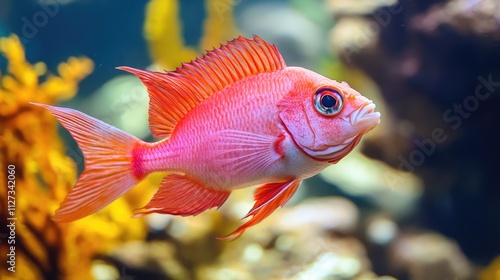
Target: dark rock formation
[(437, 64)]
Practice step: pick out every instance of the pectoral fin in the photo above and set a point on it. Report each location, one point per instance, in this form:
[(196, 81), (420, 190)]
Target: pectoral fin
[(268, 197), (243, 153)]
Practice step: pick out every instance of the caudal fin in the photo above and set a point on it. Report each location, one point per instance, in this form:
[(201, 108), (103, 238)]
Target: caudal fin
[(108, 172)]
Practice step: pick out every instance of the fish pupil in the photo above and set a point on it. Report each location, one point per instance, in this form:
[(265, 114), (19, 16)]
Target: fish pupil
[(328, 101)]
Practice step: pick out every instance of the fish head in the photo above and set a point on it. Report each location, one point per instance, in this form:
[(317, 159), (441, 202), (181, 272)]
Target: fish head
[(325, 118)]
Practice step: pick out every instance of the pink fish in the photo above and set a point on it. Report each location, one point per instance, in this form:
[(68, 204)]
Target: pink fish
[(234, 118)]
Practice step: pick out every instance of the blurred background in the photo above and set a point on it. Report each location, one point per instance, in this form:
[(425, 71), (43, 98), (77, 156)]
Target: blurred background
[(419, 199)]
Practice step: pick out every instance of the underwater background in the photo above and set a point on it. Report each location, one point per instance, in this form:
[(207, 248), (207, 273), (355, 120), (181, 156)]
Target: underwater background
[(419, 199)]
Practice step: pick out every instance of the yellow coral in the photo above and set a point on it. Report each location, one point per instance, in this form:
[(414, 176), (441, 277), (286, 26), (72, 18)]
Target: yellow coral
[(219, 25), (163, 31), (492, 272), (45, 174), (164, 35)]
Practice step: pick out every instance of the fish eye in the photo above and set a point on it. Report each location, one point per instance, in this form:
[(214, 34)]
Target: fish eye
[(328, 102)]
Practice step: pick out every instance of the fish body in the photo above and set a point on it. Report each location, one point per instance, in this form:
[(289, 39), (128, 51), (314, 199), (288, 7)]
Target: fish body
[(234, 118), (210, 142)]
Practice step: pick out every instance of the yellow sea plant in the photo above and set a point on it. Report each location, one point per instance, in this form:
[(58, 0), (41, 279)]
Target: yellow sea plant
[(492, 271), (163, 31), (41, 175)]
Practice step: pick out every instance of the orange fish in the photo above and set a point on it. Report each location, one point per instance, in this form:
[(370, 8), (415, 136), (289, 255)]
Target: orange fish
[(234, 118)]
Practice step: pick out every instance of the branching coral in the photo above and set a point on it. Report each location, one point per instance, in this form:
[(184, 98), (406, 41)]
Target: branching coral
[(44, 174), (163, 31)]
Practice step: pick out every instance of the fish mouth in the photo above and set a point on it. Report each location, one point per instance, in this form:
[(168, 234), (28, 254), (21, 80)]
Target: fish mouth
[(334, 153), (365, 118)]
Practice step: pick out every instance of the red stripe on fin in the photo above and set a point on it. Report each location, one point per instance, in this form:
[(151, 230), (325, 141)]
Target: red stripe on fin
[(179, 195), (173, 94), (108, 154), (268, 198)]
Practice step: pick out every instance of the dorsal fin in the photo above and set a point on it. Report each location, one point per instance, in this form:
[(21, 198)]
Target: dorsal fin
[(173, 94)]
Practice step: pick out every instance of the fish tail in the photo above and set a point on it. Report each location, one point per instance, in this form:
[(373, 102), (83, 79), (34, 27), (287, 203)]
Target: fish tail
[(109, 163)]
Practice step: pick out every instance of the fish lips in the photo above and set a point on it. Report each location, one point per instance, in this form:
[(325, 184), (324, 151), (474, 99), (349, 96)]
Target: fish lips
[(365, 118)]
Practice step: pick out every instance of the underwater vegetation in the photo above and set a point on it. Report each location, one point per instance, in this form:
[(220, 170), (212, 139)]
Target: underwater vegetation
[(163, 31), (44, 173)]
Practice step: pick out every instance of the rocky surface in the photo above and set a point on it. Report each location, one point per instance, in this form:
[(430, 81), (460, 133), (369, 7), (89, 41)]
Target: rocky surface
[(312, 240), (437, 66)]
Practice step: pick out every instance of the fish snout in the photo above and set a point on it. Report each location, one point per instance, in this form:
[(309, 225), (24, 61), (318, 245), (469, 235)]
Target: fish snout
[(365, 118)]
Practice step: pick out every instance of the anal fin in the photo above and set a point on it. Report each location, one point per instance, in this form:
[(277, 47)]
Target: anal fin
[(268, 198), (178, 195)]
